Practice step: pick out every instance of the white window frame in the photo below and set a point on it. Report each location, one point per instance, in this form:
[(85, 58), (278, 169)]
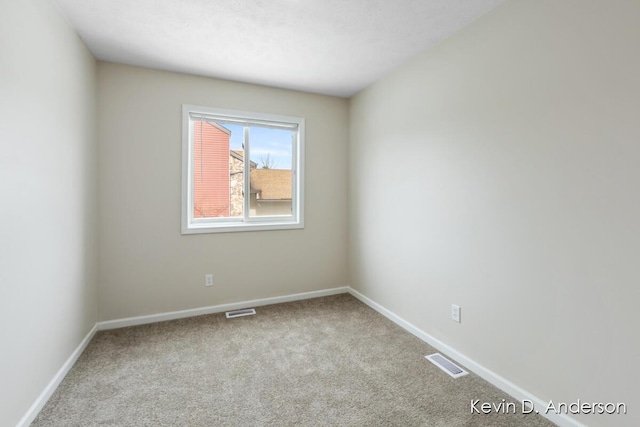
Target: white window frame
[(191, 225)]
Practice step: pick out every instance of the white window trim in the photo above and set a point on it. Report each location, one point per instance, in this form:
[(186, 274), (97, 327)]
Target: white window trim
[(192, 225)]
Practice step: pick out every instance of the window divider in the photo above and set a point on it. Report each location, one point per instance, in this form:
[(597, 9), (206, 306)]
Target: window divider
[(247, 173)]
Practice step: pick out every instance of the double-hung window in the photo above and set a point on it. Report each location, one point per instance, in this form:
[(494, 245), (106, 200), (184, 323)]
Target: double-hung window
[(241, 171)]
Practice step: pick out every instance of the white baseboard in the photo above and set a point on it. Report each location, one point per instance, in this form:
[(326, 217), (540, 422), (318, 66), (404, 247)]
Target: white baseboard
[(503, 384), (37, 406), (161, 317)]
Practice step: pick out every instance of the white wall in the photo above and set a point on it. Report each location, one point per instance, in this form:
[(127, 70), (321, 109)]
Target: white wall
[(146, 266), (499, 171), (47, 199)]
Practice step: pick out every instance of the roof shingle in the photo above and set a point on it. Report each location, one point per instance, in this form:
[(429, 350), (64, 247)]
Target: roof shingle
[(271, 184)]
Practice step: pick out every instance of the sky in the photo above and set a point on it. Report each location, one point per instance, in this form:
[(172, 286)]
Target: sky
[(263, 141)]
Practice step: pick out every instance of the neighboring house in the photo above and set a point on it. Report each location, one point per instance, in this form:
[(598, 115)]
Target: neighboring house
[(211, 164), (270, 192), (236, 182)]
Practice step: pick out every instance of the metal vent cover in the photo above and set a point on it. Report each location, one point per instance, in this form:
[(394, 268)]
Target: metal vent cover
[(240, 313), (446, 365)]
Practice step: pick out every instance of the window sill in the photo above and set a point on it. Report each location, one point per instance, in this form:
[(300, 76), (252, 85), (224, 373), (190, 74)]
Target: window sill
[(239, 227)]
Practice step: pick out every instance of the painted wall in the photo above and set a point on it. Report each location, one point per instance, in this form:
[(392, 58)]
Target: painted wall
[(499, 171), (48, 183), (146, 266)]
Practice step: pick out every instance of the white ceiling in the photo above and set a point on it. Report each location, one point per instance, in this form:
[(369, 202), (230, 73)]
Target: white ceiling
[(333, 47)]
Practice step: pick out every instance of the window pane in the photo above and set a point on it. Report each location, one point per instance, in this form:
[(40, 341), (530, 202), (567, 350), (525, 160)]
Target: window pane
[(217, 178), (271, 171), (242, 171)]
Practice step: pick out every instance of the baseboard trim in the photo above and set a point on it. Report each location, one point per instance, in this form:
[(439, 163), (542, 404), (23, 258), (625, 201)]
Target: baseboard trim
[(39, 403), (502, 383), (161, 317)]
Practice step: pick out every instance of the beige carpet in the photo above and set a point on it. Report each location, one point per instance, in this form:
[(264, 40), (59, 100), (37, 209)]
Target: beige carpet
[(322, 362)]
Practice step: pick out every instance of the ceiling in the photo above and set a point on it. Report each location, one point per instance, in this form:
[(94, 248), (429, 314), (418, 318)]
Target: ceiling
[(332, 47)]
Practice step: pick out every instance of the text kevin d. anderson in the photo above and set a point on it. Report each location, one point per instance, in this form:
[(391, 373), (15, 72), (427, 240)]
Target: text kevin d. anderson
[(528, 407)]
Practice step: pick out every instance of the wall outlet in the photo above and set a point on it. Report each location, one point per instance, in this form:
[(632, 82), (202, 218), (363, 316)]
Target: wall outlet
[(455, 312), (208, 279)]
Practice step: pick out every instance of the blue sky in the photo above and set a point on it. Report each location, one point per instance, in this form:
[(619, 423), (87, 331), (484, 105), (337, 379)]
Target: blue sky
[(276, 142)]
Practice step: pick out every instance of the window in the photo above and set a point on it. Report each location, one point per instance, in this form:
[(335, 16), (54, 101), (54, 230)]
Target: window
[(241, 171)]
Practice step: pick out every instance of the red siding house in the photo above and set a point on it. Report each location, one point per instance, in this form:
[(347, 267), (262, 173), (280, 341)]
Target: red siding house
[(210, 170)]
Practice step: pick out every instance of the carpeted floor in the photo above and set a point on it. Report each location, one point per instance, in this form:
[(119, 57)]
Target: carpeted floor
[(323, 362)]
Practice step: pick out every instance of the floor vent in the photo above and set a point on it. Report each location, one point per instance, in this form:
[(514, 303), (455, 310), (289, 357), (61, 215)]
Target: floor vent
[(239, 313), (449, 367)]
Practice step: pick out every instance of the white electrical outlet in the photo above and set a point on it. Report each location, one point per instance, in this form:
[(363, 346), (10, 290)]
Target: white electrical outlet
[(455, 312), (208, 280)]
